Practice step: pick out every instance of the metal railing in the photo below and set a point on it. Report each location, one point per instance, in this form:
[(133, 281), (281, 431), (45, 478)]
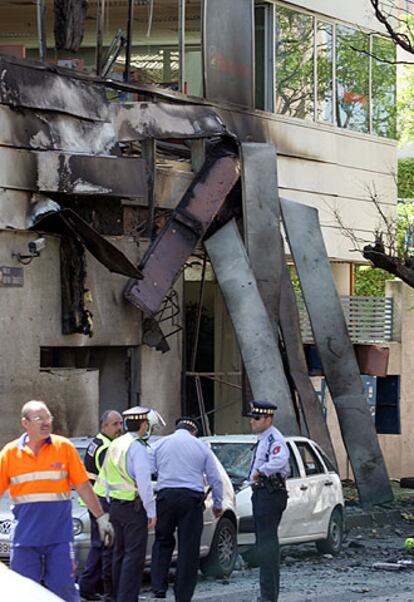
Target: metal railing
[(369, 319)]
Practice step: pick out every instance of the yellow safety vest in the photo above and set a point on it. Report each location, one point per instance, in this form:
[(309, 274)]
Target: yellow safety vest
[(106, 442), (113, 476)]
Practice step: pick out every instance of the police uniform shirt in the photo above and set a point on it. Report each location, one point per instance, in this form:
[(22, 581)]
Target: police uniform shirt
[(271, 454), (93, 449), (182, 460), (138, 467)]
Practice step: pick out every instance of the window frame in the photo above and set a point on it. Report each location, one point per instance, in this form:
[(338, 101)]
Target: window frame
[(270, 67)]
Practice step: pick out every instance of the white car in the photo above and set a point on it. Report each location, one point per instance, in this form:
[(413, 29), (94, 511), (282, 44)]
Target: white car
[(218, 550), (315, 510)]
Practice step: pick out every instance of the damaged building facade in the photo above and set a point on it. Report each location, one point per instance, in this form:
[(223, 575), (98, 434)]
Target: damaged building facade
[(122, 175)]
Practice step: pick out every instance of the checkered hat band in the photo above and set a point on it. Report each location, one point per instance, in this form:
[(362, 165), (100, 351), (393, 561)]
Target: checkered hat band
[(262, 411), (137, 416), (189, 423)]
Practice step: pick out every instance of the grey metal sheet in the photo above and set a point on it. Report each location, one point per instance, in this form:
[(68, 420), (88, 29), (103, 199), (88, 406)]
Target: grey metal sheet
[(166, 256), (261, 220), (257, 343), (228, 51), (139, 120), (54, 131), (91, 175), (336, 352), (38, 87), (292, 338), (47, 215)]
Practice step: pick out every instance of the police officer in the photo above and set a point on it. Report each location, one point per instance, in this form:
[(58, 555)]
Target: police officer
[(270, 467), (181, 461), (126, 475), (99, 562)]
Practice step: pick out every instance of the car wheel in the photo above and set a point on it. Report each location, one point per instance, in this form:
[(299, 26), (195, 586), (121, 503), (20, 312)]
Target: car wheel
[(333, 543), (223, 551)]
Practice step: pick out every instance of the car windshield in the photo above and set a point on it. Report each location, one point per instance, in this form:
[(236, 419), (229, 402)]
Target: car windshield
[(235, 457)]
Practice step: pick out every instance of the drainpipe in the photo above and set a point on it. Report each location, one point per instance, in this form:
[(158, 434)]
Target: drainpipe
[(130, 28), (41, 34), (181, 45)]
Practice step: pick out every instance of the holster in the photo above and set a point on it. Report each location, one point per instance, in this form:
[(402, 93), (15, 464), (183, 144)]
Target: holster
[(137, 504), (274, 483)]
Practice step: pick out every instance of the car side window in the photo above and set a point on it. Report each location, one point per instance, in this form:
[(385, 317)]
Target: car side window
[(294, 468), (310, 460)]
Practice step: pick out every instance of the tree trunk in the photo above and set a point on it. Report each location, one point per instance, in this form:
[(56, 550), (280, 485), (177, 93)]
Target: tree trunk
[(393, 265), (69, 24)]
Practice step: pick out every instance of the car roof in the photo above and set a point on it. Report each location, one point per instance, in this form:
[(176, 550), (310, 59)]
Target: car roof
[(246, 438), (81, 441)]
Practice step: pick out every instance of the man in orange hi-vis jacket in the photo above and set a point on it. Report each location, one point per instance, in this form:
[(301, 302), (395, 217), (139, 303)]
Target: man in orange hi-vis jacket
[(39, 469)]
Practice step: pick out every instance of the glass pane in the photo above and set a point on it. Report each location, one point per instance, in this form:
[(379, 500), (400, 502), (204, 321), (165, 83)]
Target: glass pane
[(310, 461), (260, 56), (383, 88), (294, 469), (193, 56), (324, 54), (352, 79), (235, 457), (294, 64)]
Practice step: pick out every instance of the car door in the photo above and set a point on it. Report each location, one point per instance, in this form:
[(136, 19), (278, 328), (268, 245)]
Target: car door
[(297, 511), (316, 484)]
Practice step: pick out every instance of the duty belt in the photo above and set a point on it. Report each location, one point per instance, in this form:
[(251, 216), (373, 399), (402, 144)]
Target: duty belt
[(273, 483)]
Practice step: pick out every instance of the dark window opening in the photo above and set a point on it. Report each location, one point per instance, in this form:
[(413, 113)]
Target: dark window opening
[(387, 414)]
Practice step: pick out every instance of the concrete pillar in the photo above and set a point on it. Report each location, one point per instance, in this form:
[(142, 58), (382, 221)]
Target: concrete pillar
[(342, 275)]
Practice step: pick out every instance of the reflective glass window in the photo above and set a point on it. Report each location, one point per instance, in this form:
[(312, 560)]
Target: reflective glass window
[(324, 69), (383, 87), (352, 79), (294, 63)]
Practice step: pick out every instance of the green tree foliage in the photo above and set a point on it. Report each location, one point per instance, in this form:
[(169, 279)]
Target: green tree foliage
[(406, 179), (369, 281)]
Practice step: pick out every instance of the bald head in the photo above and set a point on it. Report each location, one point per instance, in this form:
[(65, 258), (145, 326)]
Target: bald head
[(111, 424), (36, 421), (33, 406)]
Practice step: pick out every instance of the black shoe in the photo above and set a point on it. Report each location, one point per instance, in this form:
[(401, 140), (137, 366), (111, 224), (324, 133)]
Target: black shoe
[(159, 595), (86, 596)]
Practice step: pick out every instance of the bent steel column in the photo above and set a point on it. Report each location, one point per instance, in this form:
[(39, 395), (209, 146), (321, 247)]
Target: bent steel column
[(261, 221), (336, 352), (254, 331), (292, 338)]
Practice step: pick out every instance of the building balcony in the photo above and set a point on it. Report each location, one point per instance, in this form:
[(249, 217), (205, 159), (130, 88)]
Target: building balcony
[(370, 320)]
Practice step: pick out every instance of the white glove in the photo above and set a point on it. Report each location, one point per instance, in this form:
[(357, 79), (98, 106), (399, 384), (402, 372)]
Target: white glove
[(106, 530)]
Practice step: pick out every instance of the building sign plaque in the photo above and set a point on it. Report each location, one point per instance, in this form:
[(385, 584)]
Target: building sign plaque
[(11, 276)]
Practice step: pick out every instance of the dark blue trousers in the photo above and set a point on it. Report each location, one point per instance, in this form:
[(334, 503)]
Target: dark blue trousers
[(179, 509), (131, 533), (267, 512), (99, 562), (53, 564)]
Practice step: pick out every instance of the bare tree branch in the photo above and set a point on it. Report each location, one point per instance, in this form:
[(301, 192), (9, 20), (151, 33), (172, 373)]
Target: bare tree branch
[(400, 38)]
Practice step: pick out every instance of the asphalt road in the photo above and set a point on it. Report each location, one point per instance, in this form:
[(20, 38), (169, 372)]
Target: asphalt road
[(307, 576)]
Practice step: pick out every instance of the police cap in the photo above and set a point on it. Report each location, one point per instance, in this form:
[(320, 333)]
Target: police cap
[(136, 413), (257, 409), (186, 421)]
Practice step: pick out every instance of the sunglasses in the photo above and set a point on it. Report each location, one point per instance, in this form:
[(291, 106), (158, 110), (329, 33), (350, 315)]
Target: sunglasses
[(258, 417)]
